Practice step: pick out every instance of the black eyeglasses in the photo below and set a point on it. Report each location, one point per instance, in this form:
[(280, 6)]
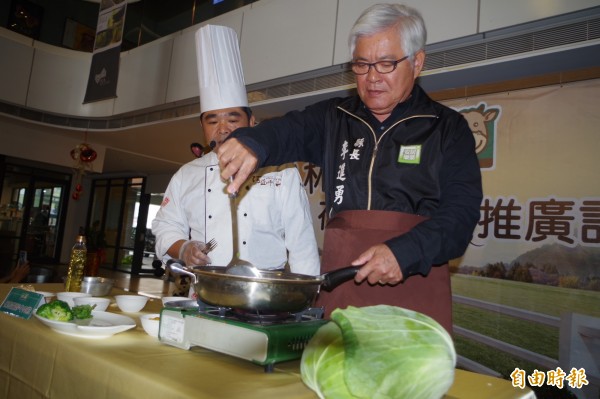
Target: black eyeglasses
[(362, 68)]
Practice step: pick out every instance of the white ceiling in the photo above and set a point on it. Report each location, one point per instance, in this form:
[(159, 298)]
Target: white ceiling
[(152, 149), (161, 148)]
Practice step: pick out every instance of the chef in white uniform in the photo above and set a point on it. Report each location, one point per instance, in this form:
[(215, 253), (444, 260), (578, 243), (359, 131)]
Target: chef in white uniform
[(274, 220)]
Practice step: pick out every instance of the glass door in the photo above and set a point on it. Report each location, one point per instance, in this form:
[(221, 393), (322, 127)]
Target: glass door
[(120, 209), (40, 232), (32, 212), (12, 211)]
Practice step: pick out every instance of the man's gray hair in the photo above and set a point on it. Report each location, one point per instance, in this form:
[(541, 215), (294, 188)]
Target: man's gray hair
[(379, 17)]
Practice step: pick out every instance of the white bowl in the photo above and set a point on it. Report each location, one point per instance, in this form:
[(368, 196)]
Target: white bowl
[(150, 324), (68, 297), (101, 303), (166, 299), (131, 303), (48, 296)]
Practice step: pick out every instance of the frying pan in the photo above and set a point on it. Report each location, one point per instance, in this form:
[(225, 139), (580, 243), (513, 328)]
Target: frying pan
[(272, 292)]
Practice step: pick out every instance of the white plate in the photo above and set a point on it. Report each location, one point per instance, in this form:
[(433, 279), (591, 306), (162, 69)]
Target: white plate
[(102, 325)]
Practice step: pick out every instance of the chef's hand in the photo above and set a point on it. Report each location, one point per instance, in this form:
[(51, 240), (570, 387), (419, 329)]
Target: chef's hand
[(380, 266), (235, 160), (191, 253)]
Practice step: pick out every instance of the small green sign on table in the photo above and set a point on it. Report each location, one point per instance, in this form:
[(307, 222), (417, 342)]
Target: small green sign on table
[(21, 303)]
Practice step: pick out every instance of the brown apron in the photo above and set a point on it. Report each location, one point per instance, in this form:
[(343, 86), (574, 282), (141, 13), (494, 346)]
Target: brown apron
[(349, 234)]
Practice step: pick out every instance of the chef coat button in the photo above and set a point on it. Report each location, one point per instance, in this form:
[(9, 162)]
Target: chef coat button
[(210, 216), (209, 190), (211, 169), (244, 242), (245, 214)]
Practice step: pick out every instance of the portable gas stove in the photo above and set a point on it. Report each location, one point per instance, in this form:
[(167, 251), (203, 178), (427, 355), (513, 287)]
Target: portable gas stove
[(261, 339)]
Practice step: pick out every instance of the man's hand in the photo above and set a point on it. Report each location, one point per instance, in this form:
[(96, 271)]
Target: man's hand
[(191, 253), (380, 266), (236, 160)]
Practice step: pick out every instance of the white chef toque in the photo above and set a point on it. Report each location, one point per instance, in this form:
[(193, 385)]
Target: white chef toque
[(220, 72)]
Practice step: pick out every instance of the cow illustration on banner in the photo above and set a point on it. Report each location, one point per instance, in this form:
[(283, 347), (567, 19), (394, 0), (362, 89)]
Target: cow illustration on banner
[(482, 122)]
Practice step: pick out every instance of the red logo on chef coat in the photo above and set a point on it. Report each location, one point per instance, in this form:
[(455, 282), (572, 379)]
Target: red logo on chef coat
[(165, 202), (272, 181)]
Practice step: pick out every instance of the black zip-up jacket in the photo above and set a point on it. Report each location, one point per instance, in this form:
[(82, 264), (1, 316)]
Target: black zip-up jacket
[(421, 160)]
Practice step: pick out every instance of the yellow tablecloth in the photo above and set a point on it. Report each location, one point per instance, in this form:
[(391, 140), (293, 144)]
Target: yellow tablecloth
[(36, 362)]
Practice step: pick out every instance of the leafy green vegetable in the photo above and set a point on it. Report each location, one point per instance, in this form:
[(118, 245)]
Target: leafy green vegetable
[(379, 352), (322, 363), (83, 311), (55, 310)]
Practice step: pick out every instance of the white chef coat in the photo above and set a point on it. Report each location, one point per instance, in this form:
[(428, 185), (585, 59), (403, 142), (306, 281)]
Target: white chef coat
[(274, 218)]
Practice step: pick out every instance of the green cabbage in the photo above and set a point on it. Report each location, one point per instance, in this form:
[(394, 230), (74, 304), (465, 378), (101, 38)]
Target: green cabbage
[(379, 352), (322, 363)]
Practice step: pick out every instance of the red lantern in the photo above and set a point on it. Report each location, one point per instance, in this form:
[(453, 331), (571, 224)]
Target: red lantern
[(83, 155), (88, 154)]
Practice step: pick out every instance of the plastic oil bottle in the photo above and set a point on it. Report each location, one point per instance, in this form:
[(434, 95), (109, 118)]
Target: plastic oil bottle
[(76, 265)]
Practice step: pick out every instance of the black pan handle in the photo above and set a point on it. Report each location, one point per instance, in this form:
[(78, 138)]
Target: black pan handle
[(332, 279)]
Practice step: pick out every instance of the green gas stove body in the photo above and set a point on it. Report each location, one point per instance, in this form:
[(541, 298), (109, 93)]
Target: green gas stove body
[(261, 340)]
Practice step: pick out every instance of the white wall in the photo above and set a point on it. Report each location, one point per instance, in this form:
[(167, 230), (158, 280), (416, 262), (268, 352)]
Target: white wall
[(437, 14), (143, 76), (286, 37), (14, 75), (278, 38), (501, 14), (23, 140)]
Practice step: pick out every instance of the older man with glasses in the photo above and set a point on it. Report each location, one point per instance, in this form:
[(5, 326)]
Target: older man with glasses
[(401, 177)]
